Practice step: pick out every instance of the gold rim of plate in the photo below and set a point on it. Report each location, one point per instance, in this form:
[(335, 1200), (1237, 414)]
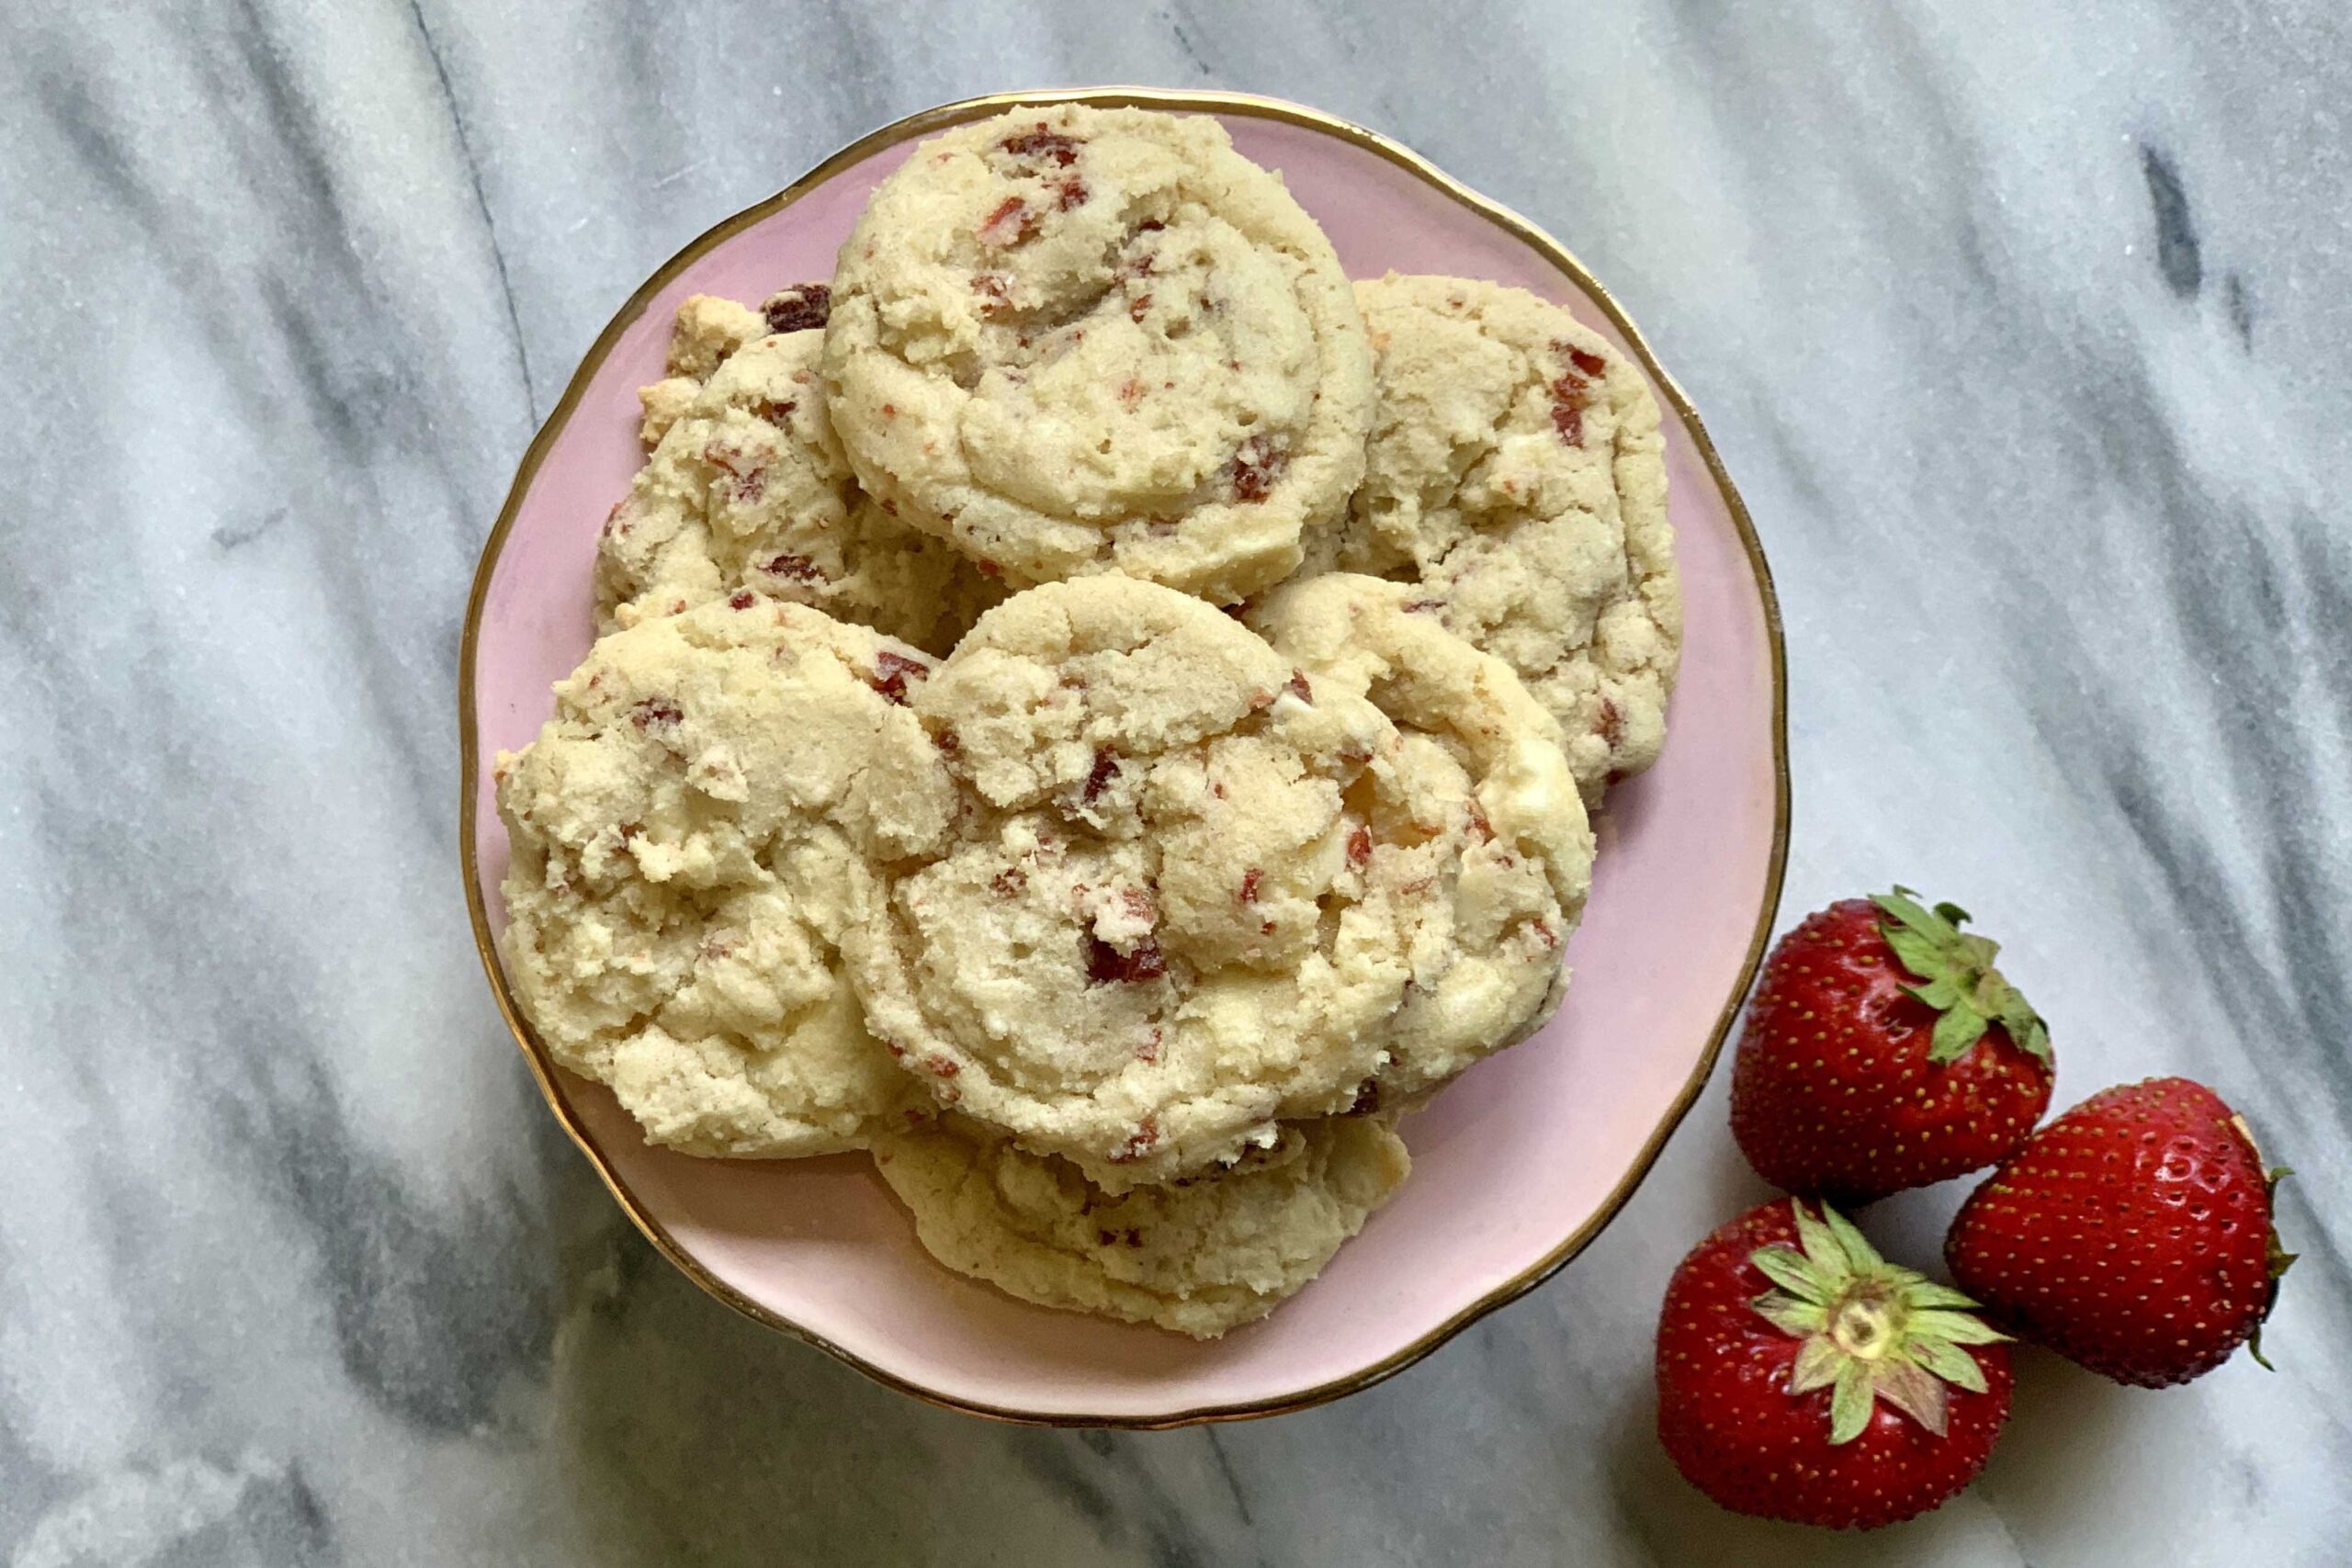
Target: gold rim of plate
[(1178, 101)]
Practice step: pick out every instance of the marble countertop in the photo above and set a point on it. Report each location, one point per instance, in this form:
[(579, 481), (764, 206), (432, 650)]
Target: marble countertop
[(2025, 338)]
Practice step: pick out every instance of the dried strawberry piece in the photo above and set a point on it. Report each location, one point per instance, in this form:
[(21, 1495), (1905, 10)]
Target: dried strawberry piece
[(800, 308), (942, 1066), (1297, 687), (1106, 964), (1138, 307), (1009, 882), (1069, 193), (1545, 933), (655, 712), (1478, 823), (891, 673), (987, 568), (1359, 846), (799, 568), (1148, 1050), (992, 288), (1145, 1138), (1612, 724), (1251, 881), (1099, 777), (1568, 414), (1151, 225), (1422, 606), (751, 475), (1569, 393), (741, 598), (773, 412), (1008, 225), (1255, 468), (949, 744), (1044, 143)]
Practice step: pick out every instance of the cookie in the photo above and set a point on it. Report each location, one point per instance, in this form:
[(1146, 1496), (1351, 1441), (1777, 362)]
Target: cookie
[(746, 490), (1163, 921), (1482, 775), (691, 833), (1079, 340), (1199, 1257), (1516, 474)]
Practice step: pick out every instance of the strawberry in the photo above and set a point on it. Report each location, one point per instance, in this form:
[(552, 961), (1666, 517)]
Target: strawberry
[(2131, 1235), (1818, 1383), (1884, 1051)]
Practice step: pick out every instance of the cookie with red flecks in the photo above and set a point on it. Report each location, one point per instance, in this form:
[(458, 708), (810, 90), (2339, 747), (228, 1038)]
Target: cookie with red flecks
[(746, 491), (692, 832), (1174, 909), (1516, 477), (1479, 772), (1078, 339), (1199, 1257)]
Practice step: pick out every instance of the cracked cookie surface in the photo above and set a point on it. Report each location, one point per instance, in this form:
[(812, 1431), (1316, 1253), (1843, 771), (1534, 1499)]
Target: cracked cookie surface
[(1077, 340), (1166, 918), (691, 834), (1481, 776), (1516, 476), (746, 490)]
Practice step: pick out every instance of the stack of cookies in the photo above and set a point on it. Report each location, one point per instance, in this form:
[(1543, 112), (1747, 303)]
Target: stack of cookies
[(1097, 711)]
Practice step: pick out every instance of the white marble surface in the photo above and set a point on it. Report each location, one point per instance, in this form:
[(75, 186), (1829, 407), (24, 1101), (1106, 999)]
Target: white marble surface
[(2025, 336)]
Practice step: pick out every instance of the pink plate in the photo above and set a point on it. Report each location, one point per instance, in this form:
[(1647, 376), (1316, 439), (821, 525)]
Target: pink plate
[(1515, 1169)]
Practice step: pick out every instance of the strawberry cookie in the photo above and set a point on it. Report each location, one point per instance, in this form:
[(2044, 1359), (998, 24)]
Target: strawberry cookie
[(1199, 1257), (691, 834), (746, 490), (1170, 912), (1516, 477), (1078, 339), (1483, 778)]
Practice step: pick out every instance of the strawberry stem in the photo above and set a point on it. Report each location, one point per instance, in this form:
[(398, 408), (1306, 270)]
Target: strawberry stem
[(1955, 976), (1871, 1330)]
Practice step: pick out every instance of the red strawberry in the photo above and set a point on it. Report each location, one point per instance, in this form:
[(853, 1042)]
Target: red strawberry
[(2131, 1235), (1884, 1050), (1853, 1394)]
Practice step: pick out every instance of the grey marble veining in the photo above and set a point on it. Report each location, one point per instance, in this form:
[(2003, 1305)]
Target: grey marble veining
[(2023, 333)]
